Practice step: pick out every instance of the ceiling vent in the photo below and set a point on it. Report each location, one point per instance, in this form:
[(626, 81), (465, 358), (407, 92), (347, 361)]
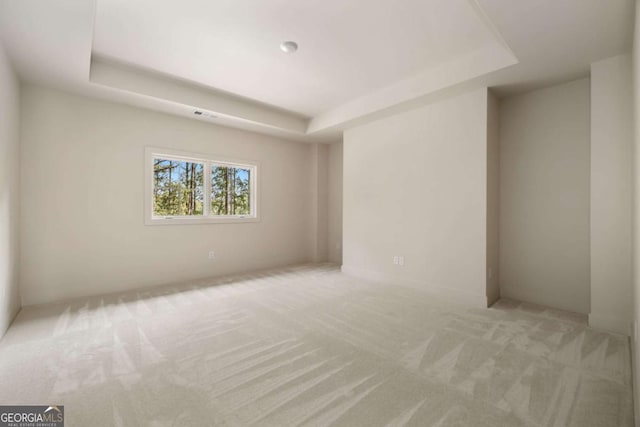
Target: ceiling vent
[(204, 114)]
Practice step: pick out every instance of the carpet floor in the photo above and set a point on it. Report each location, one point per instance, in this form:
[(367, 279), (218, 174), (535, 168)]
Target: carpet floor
[(311, 346)]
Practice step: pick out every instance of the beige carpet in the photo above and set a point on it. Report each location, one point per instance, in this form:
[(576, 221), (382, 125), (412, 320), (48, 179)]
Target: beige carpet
[(310, 346)]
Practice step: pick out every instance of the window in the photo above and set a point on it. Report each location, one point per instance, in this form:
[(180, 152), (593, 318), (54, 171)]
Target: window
[(230, 190), (186, 188), (178, 188)]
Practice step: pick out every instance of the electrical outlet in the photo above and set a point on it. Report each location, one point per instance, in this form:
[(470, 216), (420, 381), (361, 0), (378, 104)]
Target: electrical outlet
[(212, 255), (401, 260), (395, 260)]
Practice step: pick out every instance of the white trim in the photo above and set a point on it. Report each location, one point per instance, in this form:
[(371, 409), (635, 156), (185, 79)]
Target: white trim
[(207, 160)]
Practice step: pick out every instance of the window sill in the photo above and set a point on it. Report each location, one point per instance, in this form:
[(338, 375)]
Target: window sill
[(202, 220)]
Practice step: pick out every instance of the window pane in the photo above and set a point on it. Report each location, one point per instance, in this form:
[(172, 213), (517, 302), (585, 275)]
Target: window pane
[(230, 191), (178, 188), (241, 196)]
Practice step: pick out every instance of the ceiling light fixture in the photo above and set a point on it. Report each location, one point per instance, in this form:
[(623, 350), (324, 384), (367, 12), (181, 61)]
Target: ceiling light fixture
[(288, 46)]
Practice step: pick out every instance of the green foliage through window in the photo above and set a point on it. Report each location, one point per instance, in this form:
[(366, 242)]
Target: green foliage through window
[(230, 192), (196, 187), (178, 188)]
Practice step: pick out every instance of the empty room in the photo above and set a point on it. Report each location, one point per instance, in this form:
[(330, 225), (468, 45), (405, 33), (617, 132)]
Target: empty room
[(319, 213)]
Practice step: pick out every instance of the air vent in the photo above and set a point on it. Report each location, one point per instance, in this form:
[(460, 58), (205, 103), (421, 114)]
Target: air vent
[(205, 114)]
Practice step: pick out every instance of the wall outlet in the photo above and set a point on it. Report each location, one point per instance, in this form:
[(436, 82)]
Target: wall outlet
[(401, 260), (395, 260), (212, 255)]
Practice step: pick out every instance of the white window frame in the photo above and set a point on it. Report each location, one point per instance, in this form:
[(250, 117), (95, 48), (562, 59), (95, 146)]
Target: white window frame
[(207, 160)]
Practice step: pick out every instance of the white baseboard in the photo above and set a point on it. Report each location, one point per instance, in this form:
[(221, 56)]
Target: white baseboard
[(610, 323), (454, 295)]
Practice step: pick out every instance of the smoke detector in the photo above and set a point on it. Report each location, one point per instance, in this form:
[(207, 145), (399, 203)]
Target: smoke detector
[(288, 46)]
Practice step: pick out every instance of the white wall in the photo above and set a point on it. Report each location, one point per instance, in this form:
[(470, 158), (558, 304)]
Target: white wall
[(493, 198), (611, 194), (318, 192), (544, 196), (415, 186), (82, 188), (335, 203), (636, 212), (326, 202), (9, 203)]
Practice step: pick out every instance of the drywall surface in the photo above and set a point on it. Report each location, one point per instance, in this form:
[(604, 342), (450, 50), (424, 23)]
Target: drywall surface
[(544, 197), (611, 194), (636, 213), (334, 239), (415, 187), (319, 196), (493, 198), (82, 189), (9, 201)]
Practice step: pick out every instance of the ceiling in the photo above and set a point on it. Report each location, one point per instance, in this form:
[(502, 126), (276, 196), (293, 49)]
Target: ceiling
[(358, 59), (234, 45)]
